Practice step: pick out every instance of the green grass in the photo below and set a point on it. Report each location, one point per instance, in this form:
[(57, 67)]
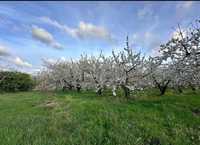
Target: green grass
[(56, 118)]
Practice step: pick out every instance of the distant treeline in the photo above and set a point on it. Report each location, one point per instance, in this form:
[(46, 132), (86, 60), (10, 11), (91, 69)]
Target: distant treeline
[(11, 81)]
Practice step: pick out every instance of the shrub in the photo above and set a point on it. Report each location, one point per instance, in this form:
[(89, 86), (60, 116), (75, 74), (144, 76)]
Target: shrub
[(15, 81)]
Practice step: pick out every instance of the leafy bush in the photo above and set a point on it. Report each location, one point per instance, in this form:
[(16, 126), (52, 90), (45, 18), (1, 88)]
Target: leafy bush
[(15, 81)]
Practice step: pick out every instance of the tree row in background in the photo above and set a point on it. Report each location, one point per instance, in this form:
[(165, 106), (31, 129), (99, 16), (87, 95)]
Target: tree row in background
[(177, 67)]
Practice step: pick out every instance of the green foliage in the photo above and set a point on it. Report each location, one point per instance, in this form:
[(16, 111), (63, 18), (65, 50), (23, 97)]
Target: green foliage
[(15, 81), (71, 118)]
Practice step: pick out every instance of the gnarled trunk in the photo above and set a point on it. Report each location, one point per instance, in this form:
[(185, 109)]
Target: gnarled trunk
[(67, 85), (179, 89), (124, 86), (192, 86), (78, 87), (161, 86), (163, 89), (126, 91), (99, 90)]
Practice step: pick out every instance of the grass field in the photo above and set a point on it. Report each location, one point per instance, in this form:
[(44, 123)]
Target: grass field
[(56, 118)]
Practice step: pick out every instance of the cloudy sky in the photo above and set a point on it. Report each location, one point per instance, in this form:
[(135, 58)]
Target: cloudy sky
[(34, 31)]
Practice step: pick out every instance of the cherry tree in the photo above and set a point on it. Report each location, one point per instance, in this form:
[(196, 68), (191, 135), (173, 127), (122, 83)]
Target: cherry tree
[(97, 69), (184, 52), (127, 64), (61, 74), (159, 74)]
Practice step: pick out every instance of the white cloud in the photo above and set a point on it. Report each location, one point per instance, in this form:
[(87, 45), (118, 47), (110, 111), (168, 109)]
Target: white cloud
[(57, 45), (89, 30), (63, 58), (183, 9), (42, 35), (4, 67), (4, 51), (82, 31), (52, 61), (45, 37), (149, 41), (145, 12), (8, 59), (49, 60), (21, 63), (185, 5)]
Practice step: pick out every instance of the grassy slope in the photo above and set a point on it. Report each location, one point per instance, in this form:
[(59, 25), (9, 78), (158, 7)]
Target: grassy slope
[(75, 119)]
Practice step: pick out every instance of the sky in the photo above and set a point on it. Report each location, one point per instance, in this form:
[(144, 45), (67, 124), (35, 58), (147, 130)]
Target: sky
[(31, 32)]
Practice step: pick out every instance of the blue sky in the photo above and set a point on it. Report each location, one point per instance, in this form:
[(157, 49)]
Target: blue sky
[(33, 31)]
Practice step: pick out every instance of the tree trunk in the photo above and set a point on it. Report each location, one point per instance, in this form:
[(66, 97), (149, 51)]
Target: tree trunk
[(162, 90), (99, 91), (78, 87), (125, 88), (161, 86), (192, 86), (64, 88), (82, 77), (67, 85), (179, 89), (70, 87), (126, 91)]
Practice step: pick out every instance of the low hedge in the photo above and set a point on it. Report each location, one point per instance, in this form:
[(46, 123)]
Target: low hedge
[(11, 81)]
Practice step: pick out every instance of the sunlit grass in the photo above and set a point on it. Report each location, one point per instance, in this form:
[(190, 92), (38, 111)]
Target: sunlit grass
[(71, 118)]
